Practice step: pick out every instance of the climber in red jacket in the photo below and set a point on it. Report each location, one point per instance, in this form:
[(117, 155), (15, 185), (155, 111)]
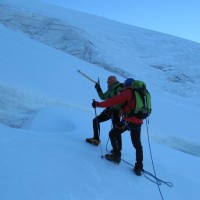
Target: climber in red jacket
[(129, 122)]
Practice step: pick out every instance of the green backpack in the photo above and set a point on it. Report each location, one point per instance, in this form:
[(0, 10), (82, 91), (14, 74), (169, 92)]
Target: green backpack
[(143, 100)]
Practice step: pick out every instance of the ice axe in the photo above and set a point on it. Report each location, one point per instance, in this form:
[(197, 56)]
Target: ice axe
[(86, 76)]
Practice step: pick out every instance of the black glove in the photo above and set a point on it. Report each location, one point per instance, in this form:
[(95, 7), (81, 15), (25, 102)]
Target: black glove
[(98, 87), (94, 104)]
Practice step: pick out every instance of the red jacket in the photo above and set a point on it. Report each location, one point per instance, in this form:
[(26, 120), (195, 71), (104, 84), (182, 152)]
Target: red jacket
[(125, 96)]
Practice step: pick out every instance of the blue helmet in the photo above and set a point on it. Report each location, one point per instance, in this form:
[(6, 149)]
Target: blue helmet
[(128, 82)]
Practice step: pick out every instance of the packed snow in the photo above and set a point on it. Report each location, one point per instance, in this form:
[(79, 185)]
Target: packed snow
[(46, 113)]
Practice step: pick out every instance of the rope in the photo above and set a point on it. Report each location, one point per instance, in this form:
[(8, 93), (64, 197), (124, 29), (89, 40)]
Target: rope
[(146, 174), (155, 176), (153, 162), (107, 144), (157, 181)]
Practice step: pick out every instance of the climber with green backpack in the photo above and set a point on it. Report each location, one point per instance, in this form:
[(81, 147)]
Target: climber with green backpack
[(143, 100), (110, 113), (136, 102)]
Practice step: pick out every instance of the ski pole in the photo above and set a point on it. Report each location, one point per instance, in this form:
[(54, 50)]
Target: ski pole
[(98, 129), (80, 72)]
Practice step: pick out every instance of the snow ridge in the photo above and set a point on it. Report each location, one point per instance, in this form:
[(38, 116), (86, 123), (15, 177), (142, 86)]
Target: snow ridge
[(57, 34), (98, 41)]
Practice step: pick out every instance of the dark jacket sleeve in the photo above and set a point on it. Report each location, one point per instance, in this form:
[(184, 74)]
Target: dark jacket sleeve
[(103, 96)]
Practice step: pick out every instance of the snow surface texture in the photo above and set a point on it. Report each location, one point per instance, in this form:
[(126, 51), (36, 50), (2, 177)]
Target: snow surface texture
[(117, 47), (43, 96)]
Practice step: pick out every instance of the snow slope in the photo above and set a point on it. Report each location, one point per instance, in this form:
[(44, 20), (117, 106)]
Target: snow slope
[(47, 158), (174, 61)]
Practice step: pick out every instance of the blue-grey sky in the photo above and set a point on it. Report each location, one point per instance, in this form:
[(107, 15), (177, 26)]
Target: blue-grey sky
[(176, 17)]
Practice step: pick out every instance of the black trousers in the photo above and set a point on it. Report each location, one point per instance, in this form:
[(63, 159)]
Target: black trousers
[(135, 132), (106, 115)]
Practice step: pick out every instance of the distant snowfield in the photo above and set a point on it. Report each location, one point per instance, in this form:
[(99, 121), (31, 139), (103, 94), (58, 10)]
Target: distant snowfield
[(46, 114), (173, 61)]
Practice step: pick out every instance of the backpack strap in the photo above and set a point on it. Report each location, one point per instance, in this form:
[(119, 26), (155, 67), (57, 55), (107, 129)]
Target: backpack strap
[(132, 111), (135, 112), (141, 92), (121, 85)]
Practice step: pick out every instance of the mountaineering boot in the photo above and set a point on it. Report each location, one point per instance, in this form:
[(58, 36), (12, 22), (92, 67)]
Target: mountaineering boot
[(93, 141), (112, 151), (138, 169), (114, 158)]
